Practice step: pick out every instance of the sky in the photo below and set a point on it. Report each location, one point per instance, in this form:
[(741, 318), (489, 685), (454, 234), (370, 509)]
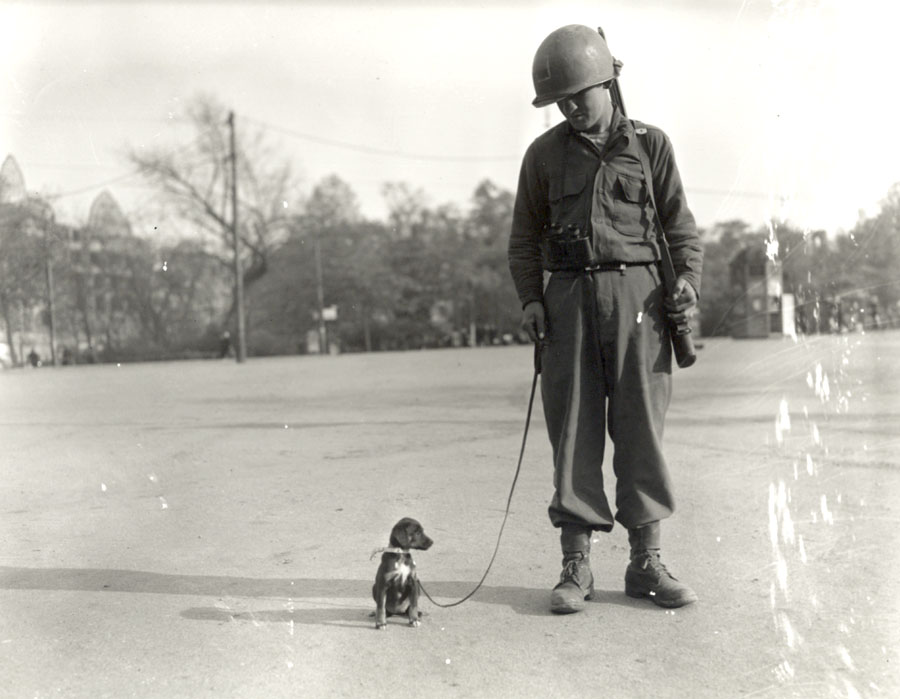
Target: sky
[(777, 110)]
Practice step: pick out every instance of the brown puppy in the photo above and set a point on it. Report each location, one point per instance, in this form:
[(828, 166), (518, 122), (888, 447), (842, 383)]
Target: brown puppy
[(396, 588)]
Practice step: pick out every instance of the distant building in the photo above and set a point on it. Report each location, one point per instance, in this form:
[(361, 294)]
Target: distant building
[(34, 217), (100, 254), (12, 183), (91, 259), (762, 308)]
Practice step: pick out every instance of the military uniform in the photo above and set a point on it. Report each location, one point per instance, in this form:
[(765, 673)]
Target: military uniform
[(607, 361), (585, 212)]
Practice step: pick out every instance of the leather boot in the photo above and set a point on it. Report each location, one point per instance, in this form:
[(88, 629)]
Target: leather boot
[(576, 582), (646, 576)]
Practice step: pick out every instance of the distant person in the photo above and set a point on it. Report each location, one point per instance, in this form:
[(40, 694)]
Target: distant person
[(583, 202), (800, 320), (874, 314), (66, 356), (836, 317), (225, 349), (34, 358)]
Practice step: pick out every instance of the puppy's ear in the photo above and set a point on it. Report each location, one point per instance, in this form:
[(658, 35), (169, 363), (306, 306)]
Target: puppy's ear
[(400, 535)]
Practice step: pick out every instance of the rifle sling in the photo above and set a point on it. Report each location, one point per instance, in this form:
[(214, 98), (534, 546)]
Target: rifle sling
[(668, 270)]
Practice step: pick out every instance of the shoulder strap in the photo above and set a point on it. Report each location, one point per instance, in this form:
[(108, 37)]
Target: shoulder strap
[(641, 131), (666, 265), (682, 345)]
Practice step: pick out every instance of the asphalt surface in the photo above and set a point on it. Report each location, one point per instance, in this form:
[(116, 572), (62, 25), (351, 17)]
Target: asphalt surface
[(203, 529)]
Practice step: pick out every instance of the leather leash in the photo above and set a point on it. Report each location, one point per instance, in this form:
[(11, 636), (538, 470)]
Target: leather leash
[(537, 371)]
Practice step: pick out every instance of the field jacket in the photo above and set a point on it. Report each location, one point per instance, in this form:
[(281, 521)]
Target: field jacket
[(560, 172)]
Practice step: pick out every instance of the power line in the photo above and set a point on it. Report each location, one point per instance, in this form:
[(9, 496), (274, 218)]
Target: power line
[(119, 178), (356, 147), (88, 188), (346, 145), (371, 150)]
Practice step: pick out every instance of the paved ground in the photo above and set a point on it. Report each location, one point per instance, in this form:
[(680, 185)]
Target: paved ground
[(204, 529)]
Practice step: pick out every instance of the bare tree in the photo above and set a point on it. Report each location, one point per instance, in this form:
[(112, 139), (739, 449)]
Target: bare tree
[(195, 181)]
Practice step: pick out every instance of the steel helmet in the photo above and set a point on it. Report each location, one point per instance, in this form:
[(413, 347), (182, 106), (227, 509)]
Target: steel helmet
[(569, 60)]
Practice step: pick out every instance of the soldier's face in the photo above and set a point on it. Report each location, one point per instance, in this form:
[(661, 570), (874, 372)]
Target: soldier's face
[(589, 110)]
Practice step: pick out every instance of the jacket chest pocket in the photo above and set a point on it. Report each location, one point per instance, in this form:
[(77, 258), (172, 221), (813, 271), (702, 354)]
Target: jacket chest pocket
[(629, 199), (567, 199)]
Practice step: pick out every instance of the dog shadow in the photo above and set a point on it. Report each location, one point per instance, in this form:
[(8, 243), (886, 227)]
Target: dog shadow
[(332, 615), (317, 601)]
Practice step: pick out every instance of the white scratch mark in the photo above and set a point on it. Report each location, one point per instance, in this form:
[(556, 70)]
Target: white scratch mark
[(845, 657), (781, 573), (782, 421)]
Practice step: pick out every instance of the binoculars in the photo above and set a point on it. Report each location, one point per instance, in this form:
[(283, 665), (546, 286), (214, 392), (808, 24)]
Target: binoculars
[(566, 248)]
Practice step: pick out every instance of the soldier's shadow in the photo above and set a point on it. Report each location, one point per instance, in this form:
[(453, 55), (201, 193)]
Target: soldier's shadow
[(299, 600)]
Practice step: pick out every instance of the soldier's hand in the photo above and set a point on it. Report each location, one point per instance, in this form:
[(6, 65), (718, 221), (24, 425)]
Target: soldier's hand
[(681, 302), (533, 322)]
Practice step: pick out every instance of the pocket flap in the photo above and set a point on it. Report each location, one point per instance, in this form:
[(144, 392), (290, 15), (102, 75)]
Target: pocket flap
[(632, 189), (570, 186)]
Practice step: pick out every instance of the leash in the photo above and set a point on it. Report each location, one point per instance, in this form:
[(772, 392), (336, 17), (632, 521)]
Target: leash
[(537, 371)]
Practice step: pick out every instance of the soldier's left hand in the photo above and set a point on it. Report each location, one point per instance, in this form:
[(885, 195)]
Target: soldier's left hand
[(681, 303)]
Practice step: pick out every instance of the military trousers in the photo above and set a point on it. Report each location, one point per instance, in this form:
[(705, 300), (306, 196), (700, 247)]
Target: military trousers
[(607, 365)]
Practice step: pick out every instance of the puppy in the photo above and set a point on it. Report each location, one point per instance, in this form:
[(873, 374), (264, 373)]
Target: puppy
[(396, 588)]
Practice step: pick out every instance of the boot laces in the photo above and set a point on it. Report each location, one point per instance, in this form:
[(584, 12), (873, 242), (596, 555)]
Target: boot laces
[(654, 563), (570, 571)]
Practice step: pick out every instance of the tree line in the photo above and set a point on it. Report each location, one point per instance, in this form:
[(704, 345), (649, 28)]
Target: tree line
[(425, 276)]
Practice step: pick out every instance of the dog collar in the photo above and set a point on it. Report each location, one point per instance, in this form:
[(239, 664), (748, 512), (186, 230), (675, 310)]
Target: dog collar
[(388, 549)]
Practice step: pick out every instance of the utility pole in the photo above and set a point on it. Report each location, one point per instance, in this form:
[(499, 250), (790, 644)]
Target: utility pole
[(241, 349), (50, 307), (473, 327), (49, 228), (22, 332), (323, 337)]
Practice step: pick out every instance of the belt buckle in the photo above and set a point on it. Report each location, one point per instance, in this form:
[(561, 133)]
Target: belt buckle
[(609, 267)]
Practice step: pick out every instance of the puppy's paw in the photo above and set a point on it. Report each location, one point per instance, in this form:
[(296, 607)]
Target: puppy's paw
[(380, 626), (415, 622)]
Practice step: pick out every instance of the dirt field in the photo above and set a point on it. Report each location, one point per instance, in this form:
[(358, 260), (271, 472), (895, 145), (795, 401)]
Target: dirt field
[(203, 529)]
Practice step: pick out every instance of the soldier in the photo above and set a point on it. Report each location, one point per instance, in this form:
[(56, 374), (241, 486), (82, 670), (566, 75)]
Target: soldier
[(583, 213)]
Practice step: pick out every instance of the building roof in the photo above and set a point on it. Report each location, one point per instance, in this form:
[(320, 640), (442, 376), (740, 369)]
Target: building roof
[(106, 217), (12, 183)]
